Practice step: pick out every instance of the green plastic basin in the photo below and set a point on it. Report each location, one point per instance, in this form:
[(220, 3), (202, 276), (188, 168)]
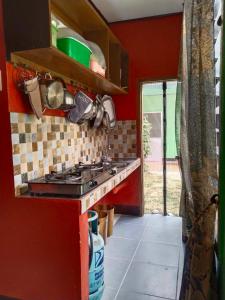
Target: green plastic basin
[(75, 49)]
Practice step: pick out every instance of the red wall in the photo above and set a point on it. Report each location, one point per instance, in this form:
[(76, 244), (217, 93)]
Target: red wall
[(43, 242), (153, 46)]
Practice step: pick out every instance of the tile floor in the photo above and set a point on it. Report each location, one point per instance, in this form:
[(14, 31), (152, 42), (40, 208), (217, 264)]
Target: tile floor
[(143, 259)]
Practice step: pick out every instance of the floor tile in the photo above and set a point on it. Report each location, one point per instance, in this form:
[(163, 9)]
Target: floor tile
[(124, 295), (159, 221), (115, 270), (163, 234), (121, 248), (134, 220), (180, 272), (128, 230), (159, 281), (109, 294), (158, 253)]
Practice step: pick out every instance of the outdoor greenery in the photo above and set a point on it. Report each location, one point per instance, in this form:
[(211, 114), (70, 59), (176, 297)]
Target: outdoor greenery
[(146, 137), (153, 191)]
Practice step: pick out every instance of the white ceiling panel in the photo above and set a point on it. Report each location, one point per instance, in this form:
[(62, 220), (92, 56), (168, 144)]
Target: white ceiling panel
[(121, 10)]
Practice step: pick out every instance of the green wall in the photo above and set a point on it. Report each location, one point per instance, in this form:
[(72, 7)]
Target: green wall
[(153, 102)]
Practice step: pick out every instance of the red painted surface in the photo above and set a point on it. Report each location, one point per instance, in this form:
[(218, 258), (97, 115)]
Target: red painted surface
[(153, 46), (44, 242), (44, 246), (19, 101), (127, 193)]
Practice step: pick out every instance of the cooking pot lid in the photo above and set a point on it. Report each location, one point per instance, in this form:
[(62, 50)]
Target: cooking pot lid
[(55, 94)]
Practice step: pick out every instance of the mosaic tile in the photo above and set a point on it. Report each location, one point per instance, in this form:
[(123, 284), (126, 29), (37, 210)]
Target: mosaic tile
[(52, 143), (122, 140)]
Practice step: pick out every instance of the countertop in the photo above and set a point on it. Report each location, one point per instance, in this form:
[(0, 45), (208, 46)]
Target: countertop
[(99, 192), (91, 198)]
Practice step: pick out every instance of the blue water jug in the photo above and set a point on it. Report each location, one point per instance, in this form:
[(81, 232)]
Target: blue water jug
[(96, 258)]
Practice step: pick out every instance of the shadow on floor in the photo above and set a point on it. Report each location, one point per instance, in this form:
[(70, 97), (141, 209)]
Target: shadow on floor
[(144, 259)]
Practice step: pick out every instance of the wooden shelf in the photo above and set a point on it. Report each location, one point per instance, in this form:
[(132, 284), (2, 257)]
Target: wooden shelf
[(81, 15), (32, 41), (57, 62)]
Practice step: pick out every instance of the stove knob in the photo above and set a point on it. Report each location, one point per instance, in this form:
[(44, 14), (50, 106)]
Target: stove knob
[(92, 183), (113, 171)]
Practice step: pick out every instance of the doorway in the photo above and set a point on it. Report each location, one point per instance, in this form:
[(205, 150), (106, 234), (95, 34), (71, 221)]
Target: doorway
[(161, 174)]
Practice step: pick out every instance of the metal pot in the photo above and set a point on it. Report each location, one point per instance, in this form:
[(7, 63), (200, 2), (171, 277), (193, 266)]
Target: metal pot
[(52, 92), (55, 94)]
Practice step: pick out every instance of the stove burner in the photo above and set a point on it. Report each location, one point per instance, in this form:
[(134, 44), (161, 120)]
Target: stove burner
[(91, 167), (73, 182), (62, 177), (73, 178)]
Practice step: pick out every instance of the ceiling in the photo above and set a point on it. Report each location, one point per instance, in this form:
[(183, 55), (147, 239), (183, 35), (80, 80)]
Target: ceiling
[(121, 10)]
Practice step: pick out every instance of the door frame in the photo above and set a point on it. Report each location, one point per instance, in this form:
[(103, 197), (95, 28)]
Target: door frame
[(141, 83)]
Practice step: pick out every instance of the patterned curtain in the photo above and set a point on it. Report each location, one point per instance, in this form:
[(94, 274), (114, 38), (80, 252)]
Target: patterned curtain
[(198, 149)]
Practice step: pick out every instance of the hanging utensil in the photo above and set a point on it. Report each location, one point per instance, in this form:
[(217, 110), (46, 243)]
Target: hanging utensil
[(68, 101), (100, 112), (110, 114), (83, 109), (52, 92), (33, 90)]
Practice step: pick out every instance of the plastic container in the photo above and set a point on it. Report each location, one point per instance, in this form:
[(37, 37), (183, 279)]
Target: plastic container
[(96, 67), (67, 32), (96, 256), (54, 30), (75, 49), (97, 295)]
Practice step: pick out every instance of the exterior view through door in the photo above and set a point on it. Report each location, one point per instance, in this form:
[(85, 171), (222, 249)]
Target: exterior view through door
[(162, 180)]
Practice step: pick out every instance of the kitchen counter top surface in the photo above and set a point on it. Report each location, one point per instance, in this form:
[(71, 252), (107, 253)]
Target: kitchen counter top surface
[(99, 192), (95, 195)]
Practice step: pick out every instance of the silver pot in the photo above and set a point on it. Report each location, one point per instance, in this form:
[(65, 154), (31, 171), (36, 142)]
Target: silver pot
[(55, 94), (52, 92)]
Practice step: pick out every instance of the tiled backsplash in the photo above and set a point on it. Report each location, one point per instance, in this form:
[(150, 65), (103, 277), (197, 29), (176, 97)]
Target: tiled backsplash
[(52, 144), (123, 140)]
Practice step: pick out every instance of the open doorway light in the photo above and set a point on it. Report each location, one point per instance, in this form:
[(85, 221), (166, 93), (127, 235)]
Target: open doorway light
[(162, 180)]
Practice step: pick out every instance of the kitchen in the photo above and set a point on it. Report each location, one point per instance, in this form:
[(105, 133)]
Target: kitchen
[(53, 154)]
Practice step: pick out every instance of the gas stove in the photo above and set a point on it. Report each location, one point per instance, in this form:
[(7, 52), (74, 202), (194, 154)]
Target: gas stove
[(72, 182)]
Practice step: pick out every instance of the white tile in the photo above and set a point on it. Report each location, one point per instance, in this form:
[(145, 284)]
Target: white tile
[(16, 159), (120, 248), (115, 270), (109, 294), (29, 157), (158, 253), (17, 180), (124, 295), (126, 230), (13, 117), (15, 138), (144, 278)]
